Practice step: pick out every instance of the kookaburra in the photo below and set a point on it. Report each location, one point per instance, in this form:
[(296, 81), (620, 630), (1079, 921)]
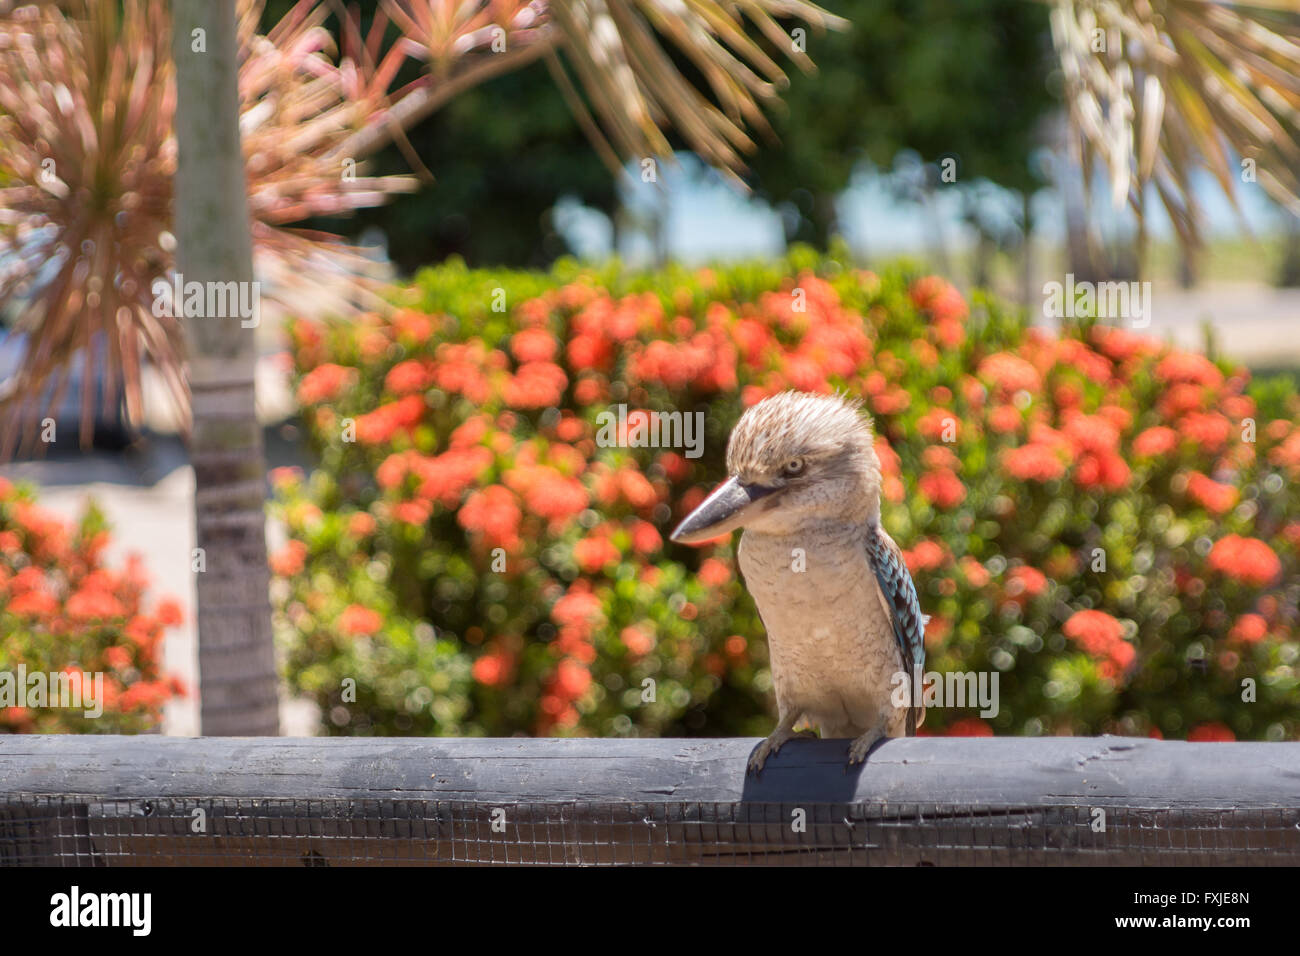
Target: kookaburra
[(839, 606)]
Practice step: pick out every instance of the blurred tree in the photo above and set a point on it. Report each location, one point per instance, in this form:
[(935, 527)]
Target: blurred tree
[(501, 156), (949, 79), (214, 245), (898, 78)]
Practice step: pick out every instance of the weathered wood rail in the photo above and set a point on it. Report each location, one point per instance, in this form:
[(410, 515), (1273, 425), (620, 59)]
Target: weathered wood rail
[(102, 800)]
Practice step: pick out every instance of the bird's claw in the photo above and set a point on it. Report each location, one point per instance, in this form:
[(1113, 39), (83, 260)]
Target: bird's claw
[(770, 746), (859, 748)]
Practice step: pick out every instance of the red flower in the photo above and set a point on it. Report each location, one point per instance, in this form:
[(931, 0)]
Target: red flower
[(494, 513), (577, 608), (570, 428), (412, 327), (361, 525), (1238, 407), (533, 345), (1214, 497), (594, 553), (413, 512), (33, 604), (1210, 430), (588, 351), (1033, 462), (1106, 471), (892, 401), (1180, 399), (938, 423), (943, 488), (1072, 352), (938, 296), (118, 658), (1010, 373), (1027, 581), (1102, 636), (407, 377), (926, 556), (1287, 453), (636, 488), (285, 476), (571, 679), (493, 669), (969, 727), (1004, 418), (536, 385), (554, 496), (1211, 731), (446, 477), (358, 621), (975, 573), (90, 604), (1155, 442), (646, 538), (289, 561), (713, 573), (324, 383), (1120, 344), (1091, 433), (377, 427), (1093, 629), (637, 641), (1249, 629), (939, 457), (169, 613), (1188, 367), (1248, 560)]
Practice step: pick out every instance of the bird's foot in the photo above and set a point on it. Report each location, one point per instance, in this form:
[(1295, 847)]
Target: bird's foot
[(859, 747), (770, 746)]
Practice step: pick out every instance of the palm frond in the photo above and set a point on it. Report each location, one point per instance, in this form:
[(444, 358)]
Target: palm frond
[(1158, 90), (622, 55)]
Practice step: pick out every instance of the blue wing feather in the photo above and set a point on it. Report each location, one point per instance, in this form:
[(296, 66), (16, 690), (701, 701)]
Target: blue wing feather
[(899, 591)]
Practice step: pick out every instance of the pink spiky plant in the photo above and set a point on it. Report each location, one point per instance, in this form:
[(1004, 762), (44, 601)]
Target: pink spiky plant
[(87, 160), (87, 155)]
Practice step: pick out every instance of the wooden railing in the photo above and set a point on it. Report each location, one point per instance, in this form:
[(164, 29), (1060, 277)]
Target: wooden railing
[(103, 800)]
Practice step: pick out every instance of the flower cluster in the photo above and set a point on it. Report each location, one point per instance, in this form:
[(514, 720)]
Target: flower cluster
[(62, 611), (1101, 519)]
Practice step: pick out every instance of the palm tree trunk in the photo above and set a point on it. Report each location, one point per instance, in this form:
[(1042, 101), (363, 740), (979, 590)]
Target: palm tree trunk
[(237, 675)]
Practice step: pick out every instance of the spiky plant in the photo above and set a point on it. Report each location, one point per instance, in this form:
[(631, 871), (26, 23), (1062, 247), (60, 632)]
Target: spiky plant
[(87, 153), (87, 160), (85, 201)]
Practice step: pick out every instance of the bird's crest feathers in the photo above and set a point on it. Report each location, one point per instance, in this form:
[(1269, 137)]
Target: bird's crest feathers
[(794, 425)]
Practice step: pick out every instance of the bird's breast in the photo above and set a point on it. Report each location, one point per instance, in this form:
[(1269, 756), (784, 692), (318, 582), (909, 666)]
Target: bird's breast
[(829, 636)]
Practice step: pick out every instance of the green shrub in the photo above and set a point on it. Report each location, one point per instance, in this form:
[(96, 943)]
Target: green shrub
[(64, 612), (1101, 520)]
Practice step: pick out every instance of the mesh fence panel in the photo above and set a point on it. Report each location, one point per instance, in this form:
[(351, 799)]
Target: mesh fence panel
[(42, 830)]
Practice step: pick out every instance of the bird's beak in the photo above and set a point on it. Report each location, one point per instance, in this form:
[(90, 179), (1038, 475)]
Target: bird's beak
[(726, 508)]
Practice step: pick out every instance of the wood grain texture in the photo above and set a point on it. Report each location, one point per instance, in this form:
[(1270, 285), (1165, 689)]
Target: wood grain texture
[(1051, 771), (132, 801)]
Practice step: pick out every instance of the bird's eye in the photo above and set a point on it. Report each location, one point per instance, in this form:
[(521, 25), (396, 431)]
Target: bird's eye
[(793, 468)]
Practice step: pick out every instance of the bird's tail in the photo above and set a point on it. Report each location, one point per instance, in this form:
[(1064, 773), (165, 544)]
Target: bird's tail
[(916, 713)]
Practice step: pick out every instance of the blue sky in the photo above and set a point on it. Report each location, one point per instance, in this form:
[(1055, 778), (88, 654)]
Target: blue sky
[(707, 219)]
